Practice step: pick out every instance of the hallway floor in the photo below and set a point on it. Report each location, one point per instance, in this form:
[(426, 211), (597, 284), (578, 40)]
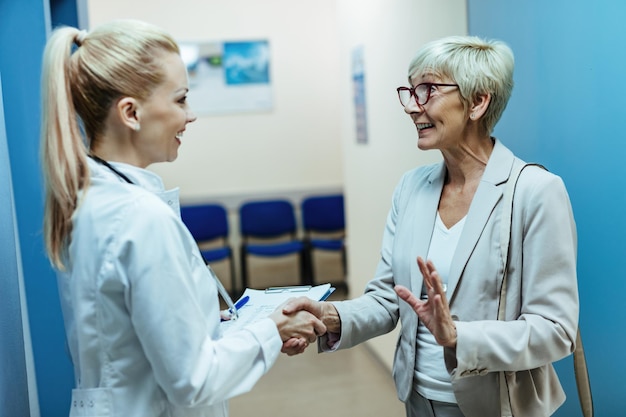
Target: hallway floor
[(346, 383)]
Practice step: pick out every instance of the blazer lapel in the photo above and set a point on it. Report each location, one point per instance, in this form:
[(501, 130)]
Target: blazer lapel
[(487, 196), (428, 202)]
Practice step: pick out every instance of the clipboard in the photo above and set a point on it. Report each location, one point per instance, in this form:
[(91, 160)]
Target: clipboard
[(262, 303), (307, 290)]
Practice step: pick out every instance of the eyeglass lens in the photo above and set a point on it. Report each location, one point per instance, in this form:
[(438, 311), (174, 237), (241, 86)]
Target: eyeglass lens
[(421, 91)]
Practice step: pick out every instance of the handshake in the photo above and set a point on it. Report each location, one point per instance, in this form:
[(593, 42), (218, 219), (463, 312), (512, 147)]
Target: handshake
[(301, 320)]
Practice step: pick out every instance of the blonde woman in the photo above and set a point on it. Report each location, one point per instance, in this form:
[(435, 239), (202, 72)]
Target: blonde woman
[(140, 308)]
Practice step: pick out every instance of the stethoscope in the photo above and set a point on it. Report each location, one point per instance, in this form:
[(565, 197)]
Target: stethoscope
[(232, 310), (115, 171)]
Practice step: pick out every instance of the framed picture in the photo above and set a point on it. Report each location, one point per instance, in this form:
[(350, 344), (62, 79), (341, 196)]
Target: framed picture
[(228, 77)]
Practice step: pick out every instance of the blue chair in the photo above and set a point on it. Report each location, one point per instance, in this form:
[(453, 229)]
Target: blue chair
[(208, 224), (323, 221), (268, 230)]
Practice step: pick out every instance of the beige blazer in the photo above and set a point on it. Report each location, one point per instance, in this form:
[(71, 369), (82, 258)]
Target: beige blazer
[(542, 297)]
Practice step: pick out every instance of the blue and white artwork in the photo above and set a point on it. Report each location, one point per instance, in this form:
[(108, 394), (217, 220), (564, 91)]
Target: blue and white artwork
[(246, 62), (228, 77)]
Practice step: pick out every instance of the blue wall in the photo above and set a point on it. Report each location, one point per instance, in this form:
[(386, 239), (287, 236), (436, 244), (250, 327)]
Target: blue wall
[(23, 28), (567, 112), (13, 378)]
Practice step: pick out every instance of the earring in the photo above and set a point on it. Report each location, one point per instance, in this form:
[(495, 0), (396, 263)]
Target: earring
[(137, 127), (472, 116)]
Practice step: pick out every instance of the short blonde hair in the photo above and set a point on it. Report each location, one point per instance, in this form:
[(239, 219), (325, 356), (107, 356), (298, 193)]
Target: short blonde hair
[(83, 75), (478, 66)]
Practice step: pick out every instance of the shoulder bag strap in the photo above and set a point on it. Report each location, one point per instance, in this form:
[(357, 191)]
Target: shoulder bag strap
[(505, 237), (582, 378), (506, 219)]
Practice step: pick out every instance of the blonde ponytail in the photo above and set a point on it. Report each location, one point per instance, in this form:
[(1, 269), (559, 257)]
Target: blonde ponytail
[(63, 148)]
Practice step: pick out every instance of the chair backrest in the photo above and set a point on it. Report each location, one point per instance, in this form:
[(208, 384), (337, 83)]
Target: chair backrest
[(205, 221), (323, 213), (267, 218)]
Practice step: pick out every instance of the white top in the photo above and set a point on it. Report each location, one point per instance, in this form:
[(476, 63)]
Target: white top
[(141, 310), (432, 378)]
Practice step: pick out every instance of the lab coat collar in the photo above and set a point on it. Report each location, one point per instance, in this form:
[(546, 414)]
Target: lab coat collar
[(141, 177)]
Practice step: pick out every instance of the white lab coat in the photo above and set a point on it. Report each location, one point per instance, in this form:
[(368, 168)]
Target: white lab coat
[(142, 313)]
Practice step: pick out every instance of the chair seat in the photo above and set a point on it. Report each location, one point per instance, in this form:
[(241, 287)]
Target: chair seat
[(275, 249), (214, 255), (327, 244)]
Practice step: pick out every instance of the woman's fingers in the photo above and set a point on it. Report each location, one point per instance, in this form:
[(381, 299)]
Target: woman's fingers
[(431, 277), (405, 294)]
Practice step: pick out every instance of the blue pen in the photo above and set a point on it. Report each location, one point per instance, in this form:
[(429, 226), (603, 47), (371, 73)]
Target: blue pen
[(242, 302), (233, 312)]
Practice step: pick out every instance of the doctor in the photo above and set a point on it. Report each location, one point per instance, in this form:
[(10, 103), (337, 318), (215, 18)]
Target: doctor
[(451, 355), (140, 308)]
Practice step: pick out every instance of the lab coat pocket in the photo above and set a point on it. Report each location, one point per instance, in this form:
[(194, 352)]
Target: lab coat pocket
[(93, 402)]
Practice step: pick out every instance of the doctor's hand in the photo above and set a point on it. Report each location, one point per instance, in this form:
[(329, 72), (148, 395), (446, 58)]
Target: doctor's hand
[(299, 328), (434, 312), (324, 311)]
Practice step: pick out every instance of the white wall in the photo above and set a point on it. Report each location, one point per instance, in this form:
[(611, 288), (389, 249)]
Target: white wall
[(390, 32), (294, 147)]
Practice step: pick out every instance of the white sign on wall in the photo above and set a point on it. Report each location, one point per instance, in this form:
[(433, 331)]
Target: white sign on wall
[(358, 86)]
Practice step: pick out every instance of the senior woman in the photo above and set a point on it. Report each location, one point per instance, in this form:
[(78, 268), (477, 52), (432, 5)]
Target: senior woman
[(450, 355)]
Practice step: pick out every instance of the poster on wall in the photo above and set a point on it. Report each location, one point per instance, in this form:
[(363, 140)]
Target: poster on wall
[(358, 86), (228, 77)]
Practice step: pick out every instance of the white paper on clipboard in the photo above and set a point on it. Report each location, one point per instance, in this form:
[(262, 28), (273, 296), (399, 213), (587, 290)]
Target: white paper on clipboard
[(263, 302)]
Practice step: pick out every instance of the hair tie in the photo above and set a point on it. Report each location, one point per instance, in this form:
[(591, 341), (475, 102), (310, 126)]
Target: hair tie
[(80, 37)]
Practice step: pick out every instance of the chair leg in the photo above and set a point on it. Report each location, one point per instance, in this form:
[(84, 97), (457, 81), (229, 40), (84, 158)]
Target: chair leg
[(306, 276), (344, 262), (308, 265), (244, 268), (233, 278), (311, 266)]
